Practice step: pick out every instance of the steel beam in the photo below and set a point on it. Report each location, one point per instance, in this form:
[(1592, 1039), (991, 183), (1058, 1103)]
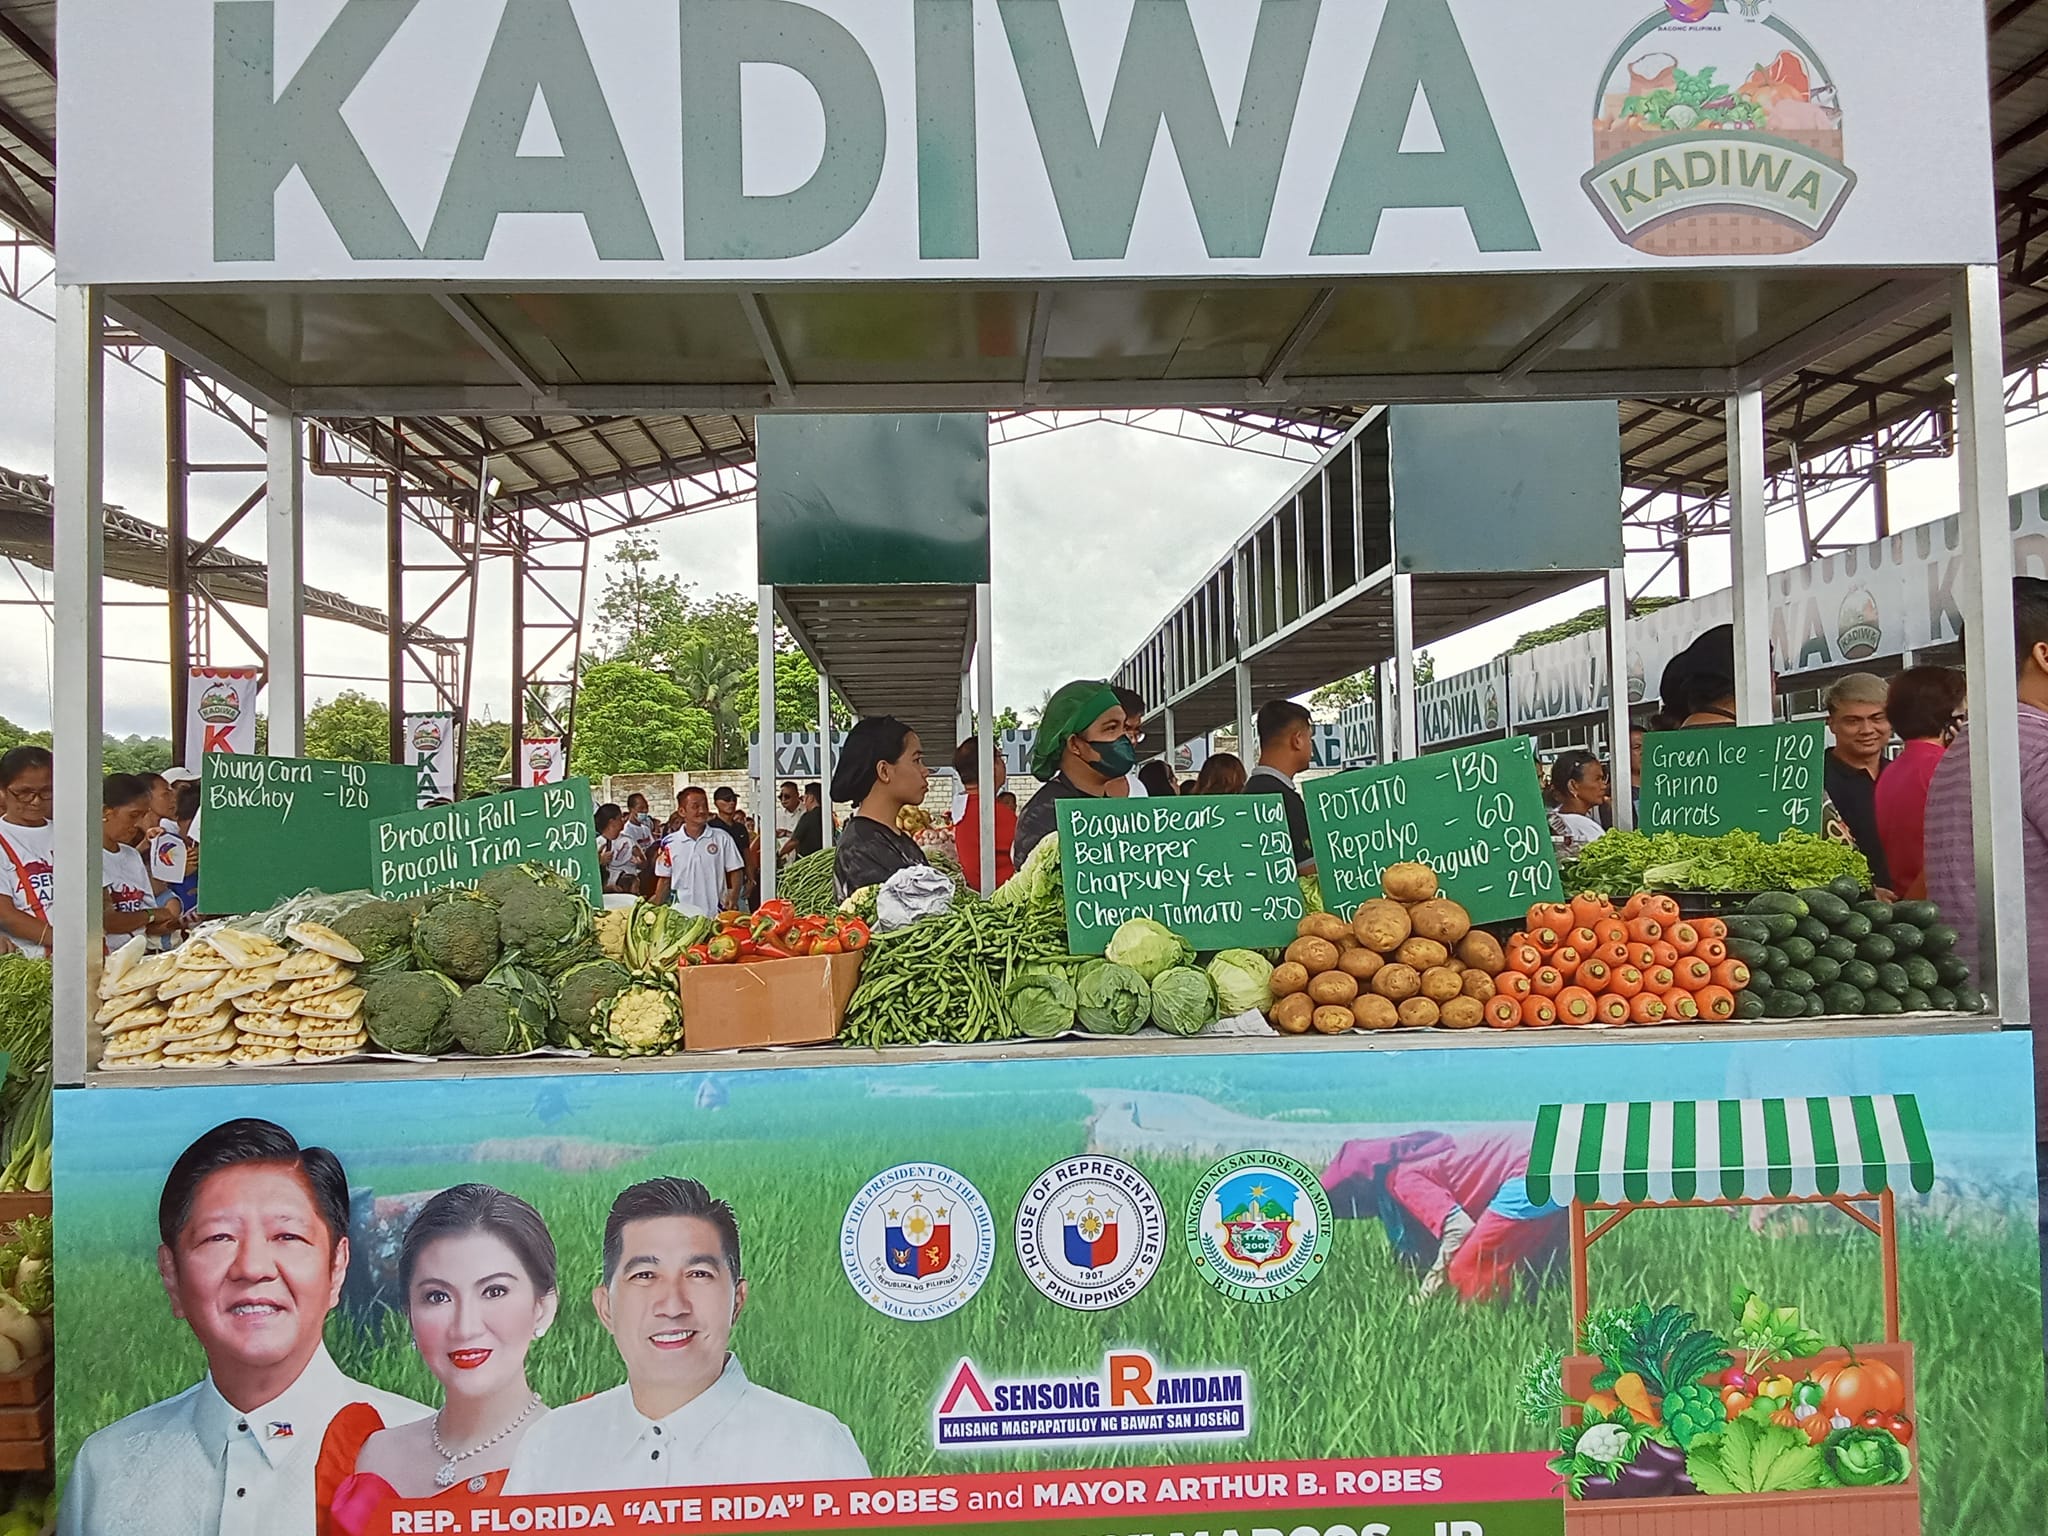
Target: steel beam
[(284, 526)]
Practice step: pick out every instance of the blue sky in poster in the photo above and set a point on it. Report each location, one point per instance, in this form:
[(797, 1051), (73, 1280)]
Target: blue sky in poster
[(1973, 1090)]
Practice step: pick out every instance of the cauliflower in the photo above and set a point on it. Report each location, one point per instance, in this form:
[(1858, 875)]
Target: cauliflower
[(505, 1014), (580, 991), (458, 938), (378, 928), (548, 927), (640, 1021), (610, 927), (408, 1012)]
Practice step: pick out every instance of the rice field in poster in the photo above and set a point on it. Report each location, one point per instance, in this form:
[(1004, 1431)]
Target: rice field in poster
[(1352, 1364)]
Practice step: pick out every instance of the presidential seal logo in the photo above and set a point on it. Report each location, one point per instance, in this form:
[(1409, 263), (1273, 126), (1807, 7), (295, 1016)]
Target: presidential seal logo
[(1090, 1233), (1717, 131), (918, 1242), (1859, 626), (1259, 1226)]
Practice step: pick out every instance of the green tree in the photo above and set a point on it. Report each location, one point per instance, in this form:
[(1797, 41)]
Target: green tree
[(632, 720), (486, 755), (641, 605), (135, 754), (351, 727), (715, 681), (1357, 688)]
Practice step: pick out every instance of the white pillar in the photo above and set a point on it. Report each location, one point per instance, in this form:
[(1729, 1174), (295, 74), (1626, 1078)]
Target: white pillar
[(1172, 740), (80, 552), (1247, 717), (1407, 743), (1984, 591), (826, 743), (284, 526), (1382, 714), (1619, 777), (764, 762), (985, 738), (1749, 559)]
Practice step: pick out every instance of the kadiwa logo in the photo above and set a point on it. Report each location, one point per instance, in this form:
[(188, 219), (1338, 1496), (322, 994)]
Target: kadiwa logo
[(1718, 132), (1131, 1399), (427, 736), (1859, 627), (221, 704)]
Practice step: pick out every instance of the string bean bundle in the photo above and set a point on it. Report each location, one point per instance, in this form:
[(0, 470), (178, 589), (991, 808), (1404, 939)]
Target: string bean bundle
[(942, 980)]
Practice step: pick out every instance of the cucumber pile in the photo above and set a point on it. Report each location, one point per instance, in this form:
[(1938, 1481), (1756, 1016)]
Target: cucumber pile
[(1831, 951)]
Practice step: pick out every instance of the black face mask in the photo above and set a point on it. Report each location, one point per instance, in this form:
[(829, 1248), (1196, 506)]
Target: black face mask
[(1115, 758)]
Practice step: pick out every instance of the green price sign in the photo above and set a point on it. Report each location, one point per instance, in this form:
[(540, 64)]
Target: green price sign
[(1757, 778)]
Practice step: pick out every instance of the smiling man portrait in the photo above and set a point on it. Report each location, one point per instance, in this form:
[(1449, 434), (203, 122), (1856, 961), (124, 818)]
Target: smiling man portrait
[(687, 1415), (254, 1247)]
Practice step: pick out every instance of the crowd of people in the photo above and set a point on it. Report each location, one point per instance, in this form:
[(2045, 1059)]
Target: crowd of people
[(149, 866)]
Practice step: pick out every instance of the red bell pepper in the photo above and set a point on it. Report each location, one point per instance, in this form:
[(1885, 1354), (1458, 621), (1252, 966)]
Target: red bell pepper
[(853, 934), (723, 949), (697, 954)]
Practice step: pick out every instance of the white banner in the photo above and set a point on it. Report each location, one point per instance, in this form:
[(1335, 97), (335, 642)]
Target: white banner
[(1465, 706), (430, 747), (540, 761), (552, 140), (220, 712)]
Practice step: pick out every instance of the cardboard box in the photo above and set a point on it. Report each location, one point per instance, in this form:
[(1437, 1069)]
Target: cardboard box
[(774, 1002)]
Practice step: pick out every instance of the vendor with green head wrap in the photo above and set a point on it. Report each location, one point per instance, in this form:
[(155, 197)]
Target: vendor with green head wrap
[(1082, 750)]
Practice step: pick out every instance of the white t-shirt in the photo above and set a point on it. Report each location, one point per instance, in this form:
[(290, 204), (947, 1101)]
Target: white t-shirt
[(35, 847), (126, 880), (1584, 828), (625, 852), (695, 869)]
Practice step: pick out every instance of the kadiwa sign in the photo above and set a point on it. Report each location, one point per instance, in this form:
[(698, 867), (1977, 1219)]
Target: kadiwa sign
[(569, 140)]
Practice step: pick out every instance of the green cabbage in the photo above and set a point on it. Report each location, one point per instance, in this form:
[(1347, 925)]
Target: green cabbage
[(1040, 1001), (1865, 1458), (1244, 982), (1183, 1000), (1113, 999), (1148, 947)]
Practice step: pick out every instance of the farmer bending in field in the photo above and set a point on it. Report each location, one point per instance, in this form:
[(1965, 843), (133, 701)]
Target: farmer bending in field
[(1456, 1207)]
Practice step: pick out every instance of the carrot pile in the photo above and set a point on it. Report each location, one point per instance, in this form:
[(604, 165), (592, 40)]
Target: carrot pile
[(1587, 962)]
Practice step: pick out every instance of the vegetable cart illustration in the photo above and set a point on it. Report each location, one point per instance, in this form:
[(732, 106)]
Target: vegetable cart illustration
[(1757, 1427)]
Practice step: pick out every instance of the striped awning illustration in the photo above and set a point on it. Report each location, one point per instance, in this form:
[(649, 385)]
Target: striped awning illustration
[(1728, 1149)]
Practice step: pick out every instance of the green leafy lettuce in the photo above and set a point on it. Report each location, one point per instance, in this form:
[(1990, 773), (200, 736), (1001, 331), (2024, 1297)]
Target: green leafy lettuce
[(1751, 1456), (1622, 863)]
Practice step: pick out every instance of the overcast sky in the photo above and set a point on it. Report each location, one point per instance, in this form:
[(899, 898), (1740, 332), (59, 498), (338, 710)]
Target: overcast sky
[(1098, 531)]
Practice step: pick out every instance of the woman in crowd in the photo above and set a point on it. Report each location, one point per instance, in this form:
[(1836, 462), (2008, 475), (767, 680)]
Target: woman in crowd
[(27, 851), (967, 818), (1578, 788), (129, 900), (617, 854), (1926, 707), (477, 1270), (1083, 749), (1222, 774), (879, 772), (1158, 779), (1698, 686)]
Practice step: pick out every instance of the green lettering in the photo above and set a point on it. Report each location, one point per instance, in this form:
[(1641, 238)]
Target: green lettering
[(540, 48), (1699, 168), (1161, 78), (948, 179), (1764, 167), (1807, 191), (1626, 193), (1664, 178), (260, 137), (1419, 48), (721, 222)]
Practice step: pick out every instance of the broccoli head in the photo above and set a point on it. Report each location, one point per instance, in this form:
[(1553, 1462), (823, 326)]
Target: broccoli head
[(580, 991), (501, 883), (408, 1012), (377, 928), (550, 928), (458, 938), (505, 1014)]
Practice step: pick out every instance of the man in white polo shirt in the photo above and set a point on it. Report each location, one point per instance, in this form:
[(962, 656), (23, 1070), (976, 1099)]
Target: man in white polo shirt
[(687, 1415), (255, 1246), (699, 865)]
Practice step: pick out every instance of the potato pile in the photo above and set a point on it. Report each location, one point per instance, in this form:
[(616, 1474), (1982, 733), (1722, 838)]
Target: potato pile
[(1410, 959)]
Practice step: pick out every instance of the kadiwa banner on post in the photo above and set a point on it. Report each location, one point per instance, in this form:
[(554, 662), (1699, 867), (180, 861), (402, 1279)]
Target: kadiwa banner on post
[(1314, 1290), (544, 141), (220, 712), (431, 743)]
